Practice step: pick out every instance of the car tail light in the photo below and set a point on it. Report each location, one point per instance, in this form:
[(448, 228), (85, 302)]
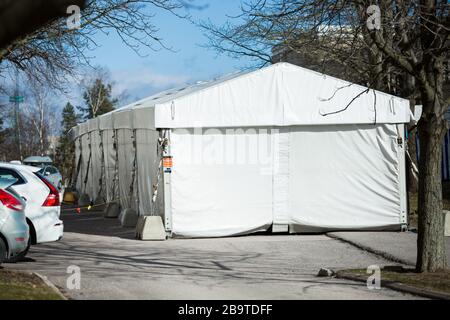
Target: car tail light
[(10, 201), (52, 199)]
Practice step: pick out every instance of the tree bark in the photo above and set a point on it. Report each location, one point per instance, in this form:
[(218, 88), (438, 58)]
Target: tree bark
[(431, 255), (412, 178)]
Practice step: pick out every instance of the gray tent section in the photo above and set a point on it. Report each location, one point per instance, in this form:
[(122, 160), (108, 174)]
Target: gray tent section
[(117, 157)]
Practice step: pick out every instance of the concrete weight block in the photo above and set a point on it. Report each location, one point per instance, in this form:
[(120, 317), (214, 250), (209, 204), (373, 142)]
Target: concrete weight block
[(112, 210), (150, 229)]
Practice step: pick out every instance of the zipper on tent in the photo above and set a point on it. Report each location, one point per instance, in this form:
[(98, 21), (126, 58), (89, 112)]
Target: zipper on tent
[(116, 196), (102, 180)]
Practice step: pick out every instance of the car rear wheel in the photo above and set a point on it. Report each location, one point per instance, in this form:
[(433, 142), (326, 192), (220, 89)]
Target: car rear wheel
[(3, 251), (21, 255)]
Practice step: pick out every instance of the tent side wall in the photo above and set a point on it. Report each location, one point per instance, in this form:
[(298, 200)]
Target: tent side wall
[(106, 132), (349, 177), (129, 143), (219, 185), (94, 173), (82, 156), (123, 126), (232, 181), (148, 155)]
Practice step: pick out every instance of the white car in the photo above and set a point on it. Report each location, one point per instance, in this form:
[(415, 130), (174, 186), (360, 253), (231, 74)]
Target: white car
[(14, 230), (42, 199), (53, 175)]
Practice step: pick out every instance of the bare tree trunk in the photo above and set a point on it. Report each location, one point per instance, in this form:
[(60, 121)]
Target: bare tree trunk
[(41, 126), (431, 254), (41, 142), (413, 181)]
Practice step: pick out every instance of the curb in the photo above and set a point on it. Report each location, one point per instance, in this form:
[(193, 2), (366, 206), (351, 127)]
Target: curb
[(397, 286), (383, 254), (50, 285)]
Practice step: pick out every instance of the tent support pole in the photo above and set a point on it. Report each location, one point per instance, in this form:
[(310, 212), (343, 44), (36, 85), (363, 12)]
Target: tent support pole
[(78, 167), (116, 195), (138, 194), (102, 170), (86, 178)]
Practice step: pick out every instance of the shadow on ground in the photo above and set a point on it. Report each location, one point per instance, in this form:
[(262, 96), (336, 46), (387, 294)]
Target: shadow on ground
[(115, 266), (93, 223)]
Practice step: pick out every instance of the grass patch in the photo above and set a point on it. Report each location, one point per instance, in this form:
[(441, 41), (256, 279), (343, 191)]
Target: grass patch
[(22, 286), (438, 282)]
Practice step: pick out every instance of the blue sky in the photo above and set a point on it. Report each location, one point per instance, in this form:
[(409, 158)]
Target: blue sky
[(140, 77), (143, 76)]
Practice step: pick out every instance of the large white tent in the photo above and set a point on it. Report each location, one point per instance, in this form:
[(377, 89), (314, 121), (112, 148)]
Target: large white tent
[(282, 147)]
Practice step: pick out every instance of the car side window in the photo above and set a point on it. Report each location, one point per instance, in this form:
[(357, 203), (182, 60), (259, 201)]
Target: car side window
[(52, 170), (11, 174)]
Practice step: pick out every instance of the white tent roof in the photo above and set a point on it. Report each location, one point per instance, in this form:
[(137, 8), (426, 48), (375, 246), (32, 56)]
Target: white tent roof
[(279, 95)]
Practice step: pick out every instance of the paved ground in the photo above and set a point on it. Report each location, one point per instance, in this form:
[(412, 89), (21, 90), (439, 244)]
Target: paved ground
[(114, 266), (401, 246)]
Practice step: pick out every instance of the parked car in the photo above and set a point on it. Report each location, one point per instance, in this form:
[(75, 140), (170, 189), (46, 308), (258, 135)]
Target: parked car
[(42, 198), (37, 161), (14, 230), (48, 170), (53, 175)]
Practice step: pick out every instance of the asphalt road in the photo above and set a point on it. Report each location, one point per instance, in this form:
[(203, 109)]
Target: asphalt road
[(114, 266)]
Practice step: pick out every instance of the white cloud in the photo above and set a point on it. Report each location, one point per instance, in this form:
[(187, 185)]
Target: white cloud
[(143, 82)]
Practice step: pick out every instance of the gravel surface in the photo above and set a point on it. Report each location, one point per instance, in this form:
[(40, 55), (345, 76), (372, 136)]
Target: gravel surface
[(114, 266)]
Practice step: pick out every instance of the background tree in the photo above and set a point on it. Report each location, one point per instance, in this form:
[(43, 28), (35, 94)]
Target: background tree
[(401, 47), (31, 143), (44, 47), (38, 113), (3, 135), (54, 52), (97, 95), (65, 152)]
